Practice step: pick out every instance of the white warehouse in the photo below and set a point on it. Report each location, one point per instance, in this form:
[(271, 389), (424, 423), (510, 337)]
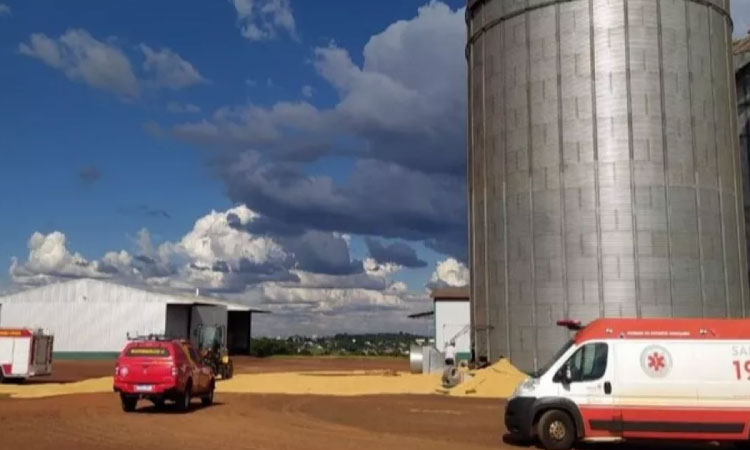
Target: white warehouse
[(94, 317)]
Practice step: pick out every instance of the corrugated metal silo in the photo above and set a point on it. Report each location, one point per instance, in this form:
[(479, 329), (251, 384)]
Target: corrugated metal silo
[(604, 173)]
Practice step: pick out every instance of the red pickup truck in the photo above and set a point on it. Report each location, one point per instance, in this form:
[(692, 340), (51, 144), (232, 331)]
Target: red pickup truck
[(160, 370)]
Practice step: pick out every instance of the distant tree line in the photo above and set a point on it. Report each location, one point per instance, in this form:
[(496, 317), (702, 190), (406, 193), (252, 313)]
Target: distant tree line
[(371, 344)]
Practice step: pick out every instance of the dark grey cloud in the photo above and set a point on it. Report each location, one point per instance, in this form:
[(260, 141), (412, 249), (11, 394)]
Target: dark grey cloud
[(323, 253), (397, 252), (399, 125), (379, 200), (89, 174)]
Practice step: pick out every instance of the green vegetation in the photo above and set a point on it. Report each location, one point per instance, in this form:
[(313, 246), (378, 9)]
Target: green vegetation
[(377, 344)]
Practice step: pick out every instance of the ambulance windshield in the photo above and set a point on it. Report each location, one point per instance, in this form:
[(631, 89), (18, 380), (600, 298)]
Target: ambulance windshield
[(552, 360)]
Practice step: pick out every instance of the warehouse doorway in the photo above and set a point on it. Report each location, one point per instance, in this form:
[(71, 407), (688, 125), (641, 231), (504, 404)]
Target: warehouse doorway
[(239, 327), (178, 321)]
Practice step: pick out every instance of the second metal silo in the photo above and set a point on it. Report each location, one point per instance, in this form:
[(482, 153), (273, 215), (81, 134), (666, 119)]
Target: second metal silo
[(604, 173)]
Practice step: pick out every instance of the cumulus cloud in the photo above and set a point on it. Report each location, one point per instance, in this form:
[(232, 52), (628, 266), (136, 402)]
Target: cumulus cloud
[(261, 20), (307, 91), (4, 10), (180, 108), (83, 58), (168, 69), (49, 258), (397, 252), (398, 125), (310, 273), (450, 273), (104, 66)]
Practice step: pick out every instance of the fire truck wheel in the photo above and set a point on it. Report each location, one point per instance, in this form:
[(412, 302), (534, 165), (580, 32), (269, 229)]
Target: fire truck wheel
[(128, 403), (556, 430)]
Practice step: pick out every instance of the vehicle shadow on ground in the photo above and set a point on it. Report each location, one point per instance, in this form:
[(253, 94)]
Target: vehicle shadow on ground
[(626, 445), (171, 408)]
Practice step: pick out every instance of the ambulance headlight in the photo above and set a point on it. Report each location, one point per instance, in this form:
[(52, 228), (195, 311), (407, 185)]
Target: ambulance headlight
[(529, 384)]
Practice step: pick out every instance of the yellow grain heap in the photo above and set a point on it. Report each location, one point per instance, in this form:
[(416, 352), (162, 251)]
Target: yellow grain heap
[(496, 381)]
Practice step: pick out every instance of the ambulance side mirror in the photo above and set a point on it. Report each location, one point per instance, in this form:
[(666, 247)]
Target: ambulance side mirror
[(563, 375)]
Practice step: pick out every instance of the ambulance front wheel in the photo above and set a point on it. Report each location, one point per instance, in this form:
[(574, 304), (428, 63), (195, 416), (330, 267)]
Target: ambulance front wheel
[(556, 430)]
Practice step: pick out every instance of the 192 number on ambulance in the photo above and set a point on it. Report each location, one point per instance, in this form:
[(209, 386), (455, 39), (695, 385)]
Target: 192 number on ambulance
[(738, 369)]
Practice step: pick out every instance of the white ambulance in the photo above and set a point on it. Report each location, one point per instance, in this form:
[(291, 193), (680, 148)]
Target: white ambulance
[(619, 379), (24, 353)]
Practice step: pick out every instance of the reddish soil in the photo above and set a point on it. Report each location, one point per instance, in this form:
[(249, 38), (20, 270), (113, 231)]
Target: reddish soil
[(268, 422), (66, 371)]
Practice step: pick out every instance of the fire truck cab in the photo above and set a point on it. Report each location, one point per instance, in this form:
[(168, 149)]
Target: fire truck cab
[(618, 379)]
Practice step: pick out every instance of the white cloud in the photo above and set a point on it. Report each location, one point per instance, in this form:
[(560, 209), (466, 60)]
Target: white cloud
[(169, 69), (179, 108), (220, 254), (84, 58), (4, 10), (307, 91), (49, 258), (450, 273), (104, 66), (251, 83), (261, 20)]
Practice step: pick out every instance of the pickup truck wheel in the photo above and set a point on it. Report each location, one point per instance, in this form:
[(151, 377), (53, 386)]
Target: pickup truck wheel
[(556, 430), (184, 403), (208, 399), (128, 403)]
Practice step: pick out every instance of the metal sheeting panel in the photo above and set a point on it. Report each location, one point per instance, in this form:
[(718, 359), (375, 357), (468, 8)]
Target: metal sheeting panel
[(604, 168)]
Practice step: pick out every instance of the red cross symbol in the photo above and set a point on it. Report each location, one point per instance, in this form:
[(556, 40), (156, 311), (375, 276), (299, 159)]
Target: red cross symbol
[(656, 361)]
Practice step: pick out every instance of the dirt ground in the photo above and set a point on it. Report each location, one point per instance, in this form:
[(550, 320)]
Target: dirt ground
[(268, 422), (66, 371)]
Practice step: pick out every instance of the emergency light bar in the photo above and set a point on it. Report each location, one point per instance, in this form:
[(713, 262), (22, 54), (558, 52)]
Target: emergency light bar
[(573, 325)]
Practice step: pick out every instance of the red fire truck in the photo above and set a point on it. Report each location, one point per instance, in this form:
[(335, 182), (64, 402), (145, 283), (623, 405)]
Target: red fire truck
[(24, 353)]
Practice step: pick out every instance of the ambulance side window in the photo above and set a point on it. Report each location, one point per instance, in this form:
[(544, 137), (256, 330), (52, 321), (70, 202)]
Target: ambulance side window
[(588, 363)]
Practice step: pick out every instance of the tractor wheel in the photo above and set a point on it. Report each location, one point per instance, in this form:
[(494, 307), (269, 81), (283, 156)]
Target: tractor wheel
[(230, 370)]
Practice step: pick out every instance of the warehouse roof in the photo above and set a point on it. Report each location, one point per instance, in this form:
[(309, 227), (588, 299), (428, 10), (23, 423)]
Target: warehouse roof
[(167, 296), (450, 293)]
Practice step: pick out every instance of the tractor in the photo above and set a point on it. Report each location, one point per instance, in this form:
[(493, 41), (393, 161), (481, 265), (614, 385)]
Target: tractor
[(213, 351)]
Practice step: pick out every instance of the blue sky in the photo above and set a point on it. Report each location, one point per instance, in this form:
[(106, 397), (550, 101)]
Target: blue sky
[(104, 115), (304, 156)]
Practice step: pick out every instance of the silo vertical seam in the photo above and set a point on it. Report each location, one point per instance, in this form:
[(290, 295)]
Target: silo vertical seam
[(696, 179), (734, 147), (484, 185), (595, 131), (665, 152), (505, 200), (563, 184), (631, 157), (718, 171), (530, 158), (470, 187)]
